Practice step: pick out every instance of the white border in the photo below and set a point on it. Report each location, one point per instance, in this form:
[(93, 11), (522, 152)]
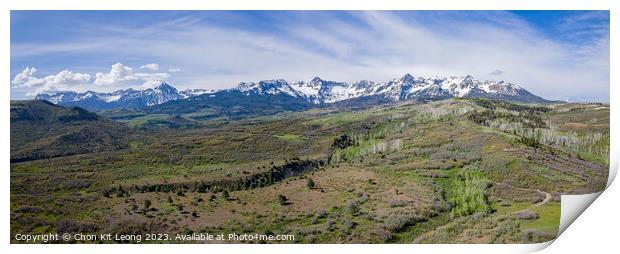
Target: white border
[(610, 202)]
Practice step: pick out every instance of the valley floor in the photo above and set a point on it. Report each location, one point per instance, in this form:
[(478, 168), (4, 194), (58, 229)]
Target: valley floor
[(452, 171)]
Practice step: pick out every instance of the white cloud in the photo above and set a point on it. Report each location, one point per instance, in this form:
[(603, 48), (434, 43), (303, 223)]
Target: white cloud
[(118, 73), (151, 66), (152, 79), (26, 78), (150, 84), (174, 70), (64, 80), (121, 76)]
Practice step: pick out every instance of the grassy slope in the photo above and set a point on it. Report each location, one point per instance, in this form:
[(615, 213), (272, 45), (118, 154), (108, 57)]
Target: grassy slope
[(379, 192), (40, 129)]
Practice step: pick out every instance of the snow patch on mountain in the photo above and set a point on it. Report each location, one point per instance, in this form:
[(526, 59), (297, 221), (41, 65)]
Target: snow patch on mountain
[(317, 91), (128, 98)]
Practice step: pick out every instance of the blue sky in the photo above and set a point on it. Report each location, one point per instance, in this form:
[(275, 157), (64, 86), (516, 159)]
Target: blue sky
[(556, 54)]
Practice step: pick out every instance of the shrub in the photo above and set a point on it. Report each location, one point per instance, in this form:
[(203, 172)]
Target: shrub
[(527, 215), (314, 220), (398, 203), (363, 197), (467, 195), (71, 226), (283, 200), (330, 225), (384, 234), (349, 223), (147, 204), (535, 236), (395, 222), (504, 203), (311, 239), (29, 209), (310, 183), (352, 207), (120, 191), (343, 142), (531, 142)]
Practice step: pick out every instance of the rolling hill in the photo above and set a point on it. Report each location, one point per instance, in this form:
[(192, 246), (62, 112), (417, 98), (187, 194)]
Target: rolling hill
[(40, 129)]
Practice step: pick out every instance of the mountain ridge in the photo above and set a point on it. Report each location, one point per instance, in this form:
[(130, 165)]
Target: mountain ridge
[(126, 98), (316, 91), (41, 129)]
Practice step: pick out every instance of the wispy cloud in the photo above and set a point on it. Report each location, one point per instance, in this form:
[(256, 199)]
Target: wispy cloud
[(351, 46), (151, 66), (592, 23), (496, 73)]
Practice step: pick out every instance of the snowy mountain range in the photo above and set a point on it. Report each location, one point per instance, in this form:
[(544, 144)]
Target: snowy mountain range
[(316, 91), (319, 91), (128, 98)]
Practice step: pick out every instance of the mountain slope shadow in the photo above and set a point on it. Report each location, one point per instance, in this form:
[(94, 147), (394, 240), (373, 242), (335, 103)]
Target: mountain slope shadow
[(40, 129), (232, 104)]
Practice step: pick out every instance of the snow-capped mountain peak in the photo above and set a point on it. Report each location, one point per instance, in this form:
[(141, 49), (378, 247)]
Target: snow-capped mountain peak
[(320, 91), (316, 82), (316, 91), (128, 98), (273, 86), (166, 88), (195, 92), (407, 78)]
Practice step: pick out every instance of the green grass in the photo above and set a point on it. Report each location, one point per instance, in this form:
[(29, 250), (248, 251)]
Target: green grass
[(549, 220), (338, 119), (600, 159), (202, 114), (513, 207), (141, 120)]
